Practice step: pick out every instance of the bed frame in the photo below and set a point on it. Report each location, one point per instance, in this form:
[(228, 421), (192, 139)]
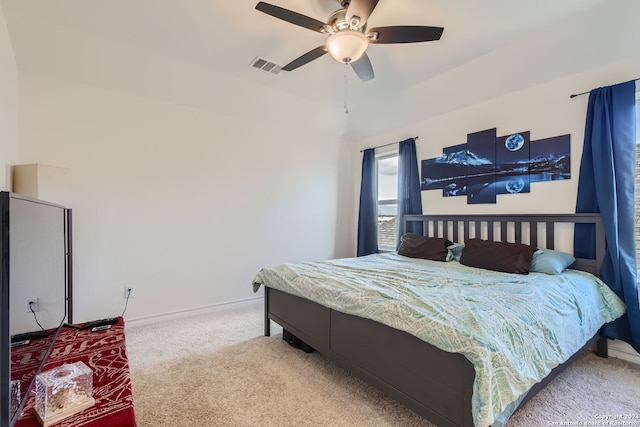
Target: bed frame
[(436, 384)]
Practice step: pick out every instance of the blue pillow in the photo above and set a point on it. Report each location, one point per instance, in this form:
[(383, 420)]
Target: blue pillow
[(455, 251), (550, 261)]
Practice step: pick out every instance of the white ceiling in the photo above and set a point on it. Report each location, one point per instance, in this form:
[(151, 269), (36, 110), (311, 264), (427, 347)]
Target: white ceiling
[(197, 53)]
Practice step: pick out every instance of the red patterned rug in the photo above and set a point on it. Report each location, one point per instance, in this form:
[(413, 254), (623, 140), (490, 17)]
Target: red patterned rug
[(105, 353)]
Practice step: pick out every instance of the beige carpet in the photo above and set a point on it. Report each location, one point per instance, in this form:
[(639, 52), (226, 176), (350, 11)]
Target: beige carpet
[(217, 370)]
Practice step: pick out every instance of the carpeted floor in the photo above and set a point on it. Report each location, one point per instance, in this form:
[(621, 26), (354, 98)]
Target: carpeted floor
[(218, 370)]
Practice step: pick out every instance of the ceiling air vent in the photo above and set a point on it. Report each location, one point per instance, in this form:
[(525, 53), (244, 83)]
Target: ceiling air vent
[(266, 65)]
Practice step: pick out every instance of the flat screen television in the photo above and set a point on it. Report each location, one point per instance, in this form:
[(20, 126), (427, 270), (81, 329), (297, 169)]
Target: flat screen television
[(35, 246)]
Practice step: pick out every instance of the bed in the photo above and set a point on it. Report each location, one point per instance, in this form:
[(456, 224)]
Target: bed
[(433, 371)]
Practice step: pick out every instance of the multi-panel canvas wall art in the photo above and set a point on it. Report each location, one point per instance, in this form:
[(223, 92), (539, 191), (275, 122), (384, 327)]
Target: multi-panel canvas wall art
[(488, 165)]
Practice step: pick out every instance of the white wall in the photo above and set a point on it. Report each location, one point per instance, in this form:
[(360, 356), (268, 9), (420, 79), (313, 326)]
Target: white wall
[(546, 110), (8, 107), (183, 204), (156, 185)]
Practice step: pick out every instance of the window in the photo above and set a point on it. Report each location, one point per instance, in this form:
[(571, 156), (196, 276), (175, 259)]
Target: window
[(387, 174)]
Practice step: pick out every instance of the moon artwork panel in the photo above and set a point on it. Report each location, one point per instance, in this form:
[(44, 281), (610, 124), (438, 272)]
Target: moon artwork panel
[(488, 165), (512, 164)]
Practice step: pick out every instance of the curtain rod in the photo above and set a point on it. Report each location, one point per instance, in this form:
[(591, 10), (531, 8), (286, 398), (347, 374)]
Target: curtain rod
[(584, 93), (391, 143)]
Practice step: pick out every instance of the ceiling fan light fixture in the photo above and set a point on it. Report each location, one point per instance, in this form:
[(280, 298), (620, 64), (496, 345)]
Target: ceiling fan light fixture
[(347, 45)]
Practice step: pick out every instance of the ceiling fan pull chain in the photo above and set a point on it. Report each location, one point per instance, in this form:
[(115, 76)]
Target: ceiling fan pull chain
[(346, 84)]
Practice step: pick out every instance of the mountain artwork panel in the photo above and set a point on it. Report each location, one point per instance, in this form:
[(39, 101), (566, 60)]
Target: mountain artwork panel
[(488, 165)]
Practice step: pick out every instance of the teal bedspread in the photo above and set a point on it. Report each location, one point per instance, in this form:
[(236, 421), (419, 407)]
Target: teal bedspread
[(514, 328)]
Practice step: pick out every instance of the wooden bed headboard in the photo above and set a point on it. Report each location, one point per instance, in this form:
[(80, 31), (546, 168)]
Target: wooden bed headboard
[(538, 230)]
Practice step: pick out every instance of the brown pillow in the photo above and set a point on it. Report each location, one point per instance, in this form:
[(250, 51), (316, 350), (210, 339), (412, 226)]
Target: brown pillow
[(498, 256), (417, 246)]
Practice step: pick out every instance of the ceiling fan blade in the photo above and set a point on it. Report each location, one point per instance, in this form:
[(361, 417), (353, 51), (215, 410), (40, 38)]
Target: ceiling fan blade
[(361, 9), (291, 16), (363, 68), (404, 34), (305, 59)]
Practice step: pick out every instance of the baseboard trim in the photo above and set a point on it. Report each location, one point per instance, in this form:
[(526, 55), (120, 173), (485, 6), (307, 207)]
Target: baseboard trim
[(145, 320), (624, 351), (617, 348)]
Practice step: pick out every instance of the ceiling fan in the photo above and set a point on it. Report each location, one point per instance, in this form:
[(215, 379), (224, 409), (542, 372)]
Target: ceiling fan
[(349, 36)]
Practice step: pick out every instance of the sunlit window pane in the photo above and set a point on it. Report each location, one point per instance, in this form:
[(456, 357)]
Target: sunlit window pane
[(387, 201), (387, 225), (388, 178)]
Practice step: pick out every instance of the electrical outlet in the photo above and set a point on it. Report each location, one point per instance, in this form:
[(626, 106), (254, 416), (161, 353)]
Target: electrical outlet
[(32, 303), (129, 291)]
